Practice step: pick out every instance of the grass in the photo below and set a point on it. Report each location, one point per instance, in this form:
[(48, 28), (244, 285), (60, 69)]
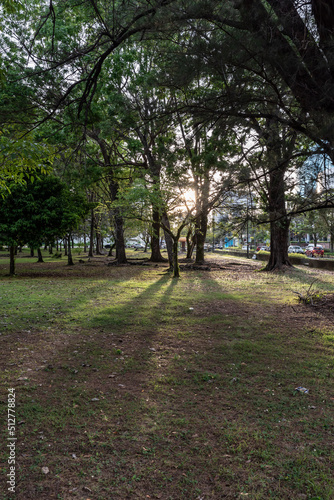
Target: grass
[(132, 385)]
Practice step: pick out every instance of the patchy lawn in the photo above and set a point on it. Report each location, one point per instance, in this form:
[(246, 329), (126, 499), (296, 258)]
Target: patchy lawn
[(130, 384)]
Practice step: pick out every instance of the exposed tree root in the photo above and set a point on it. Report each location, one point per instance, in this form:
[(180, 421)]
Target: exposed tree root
[(283, 268), (310, 296)]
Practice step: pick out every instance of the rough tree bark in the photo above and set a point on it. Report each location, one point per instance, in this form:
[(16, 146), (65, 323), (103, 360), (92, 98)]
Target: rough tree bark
[(119, 235), (155, 237), (279, 222)]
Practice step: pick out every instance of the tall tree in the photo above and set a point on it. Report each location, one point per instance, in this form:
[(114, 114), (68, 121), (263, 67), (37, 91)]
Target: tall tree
[(140, 117)]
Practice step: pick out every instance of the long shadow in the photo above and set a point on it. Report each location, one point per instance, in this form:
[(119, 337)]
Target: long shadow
[(305, 277), (145, 309), (53, 300), (133, 414)]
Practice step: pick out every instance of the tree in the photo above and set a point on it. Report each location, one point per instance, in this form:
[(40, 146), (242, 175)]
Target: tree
[(273, 163), (139, 198), (294, 38), (209, 153), (38, 211), (260, 39), (139, 115)]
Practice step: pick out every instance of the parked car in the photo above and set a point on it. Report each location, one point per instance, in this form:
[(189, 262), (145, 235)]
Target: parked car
[(263, 249), (295, 249), (310, 246), (315, 252)]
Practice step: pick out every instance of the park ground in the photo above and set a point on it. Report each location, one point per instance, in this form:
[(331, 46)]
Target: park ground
[(132, 385)]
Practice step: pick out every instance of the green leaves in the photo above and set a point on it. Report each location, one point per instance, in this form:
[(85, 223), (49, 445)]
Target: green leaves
[(39, 211), (22, 159)]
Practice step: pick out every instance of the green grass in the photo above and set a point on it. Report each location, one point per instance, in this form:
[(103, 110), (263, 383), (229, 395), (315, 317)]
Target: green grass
[(130, 393)]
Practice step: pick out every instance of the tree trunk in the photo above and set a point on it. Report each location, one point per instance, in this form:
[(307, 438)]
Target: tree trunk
[(40, 256), (176, 267), (169, 242), (85, 242), (279, 222), (118, 224), (50, 249), (201, 224), (98, 243), (65, 247), (91, 237), (155, 170), (279, 241), (200, 231), (12, 260), (69, 251), (111, 249), (279, 153), (120, 242), (155, 238), (32, 253), (190, 243), (146, 240)]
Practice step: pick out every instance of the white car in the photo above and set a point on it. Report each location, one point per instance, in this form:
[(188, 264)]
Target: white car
[(295, 249), (310, 246)]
